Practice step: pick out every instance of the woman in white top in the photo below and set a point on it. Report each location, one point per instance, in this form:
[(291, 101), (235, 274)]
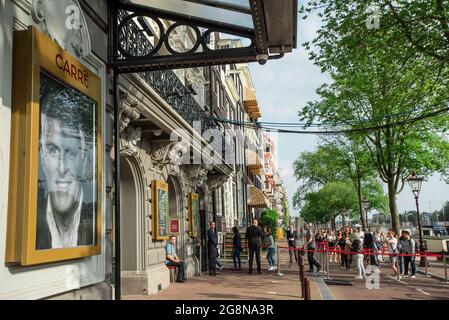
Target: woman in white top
[(331, 242), (392, 247)]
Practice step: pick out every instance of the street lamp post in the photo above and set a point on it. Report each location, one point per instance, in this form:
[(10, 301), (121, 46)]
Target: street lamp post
[(365, 206), (415, 183)]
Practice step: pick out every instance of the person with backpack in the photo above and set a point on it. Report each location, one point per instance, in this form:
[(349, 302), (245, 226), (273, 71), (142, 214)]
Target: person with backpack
[(331, 242), (400, 258), (378, 245), (370, 246), (344, 264), (357, 250), (408, 247)]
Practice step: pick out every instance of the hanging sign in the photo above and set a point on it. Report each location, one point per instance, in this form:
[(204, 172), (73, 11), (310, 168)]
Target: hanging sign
[(194, 214), (159, 202)]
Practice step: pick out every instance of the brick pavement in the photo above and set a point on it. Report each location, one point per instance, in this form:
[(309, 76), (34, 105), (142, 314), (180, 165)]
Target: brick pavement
[(421, 288), (238, 285), (435, 269)]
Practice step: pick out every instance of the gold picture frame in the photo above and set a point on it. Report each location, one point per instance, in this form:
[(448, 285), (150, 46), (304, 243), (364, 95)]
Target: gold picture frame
[(47, 78), (194, 214), (160, 217)]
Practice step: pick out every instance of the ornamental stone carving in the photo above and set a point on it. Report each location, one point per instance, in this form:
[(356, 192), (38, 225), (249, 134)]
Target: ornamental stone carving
[(64, 22), (129, 111), (168, 153), (196, 174), (216, 181), (130, 141)]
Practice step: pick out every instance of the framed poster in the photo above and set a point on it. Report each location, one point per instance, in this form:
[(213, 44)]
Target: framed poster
[(55, 193), (159, 200), (174, 226), (194, 214)]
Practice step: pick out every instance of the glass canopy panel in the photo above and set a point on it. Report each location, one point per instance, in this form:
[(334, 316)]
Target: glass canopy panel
[(230, 12)]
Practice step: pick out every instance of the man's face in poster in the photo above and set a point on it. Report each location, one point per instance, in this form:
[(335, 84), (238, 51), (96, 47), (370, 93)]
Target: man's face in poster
[(63, 162)]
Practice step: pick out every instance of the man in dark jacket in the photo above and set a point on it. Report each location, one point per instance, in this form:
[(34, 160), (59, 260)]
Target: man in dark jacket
[(291, 238), (370, 245), (212, 248), (253, 240), (310, 246)]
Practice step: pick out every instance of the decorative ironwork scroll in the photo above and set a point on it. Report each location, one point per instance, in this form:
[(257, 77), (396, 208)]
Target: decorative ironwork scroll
[(143, 41)]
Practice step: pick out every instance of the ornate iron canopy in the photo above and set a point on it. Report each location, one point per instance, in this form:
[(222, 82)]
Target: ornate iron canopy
[(145, 33)]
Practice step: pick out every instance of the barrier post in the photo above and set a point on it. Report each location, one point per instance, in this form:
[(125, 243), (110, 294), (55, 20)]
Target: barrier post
[(397, 267), (278, 262), (224, 255), (201, 260), (320, 252), (426, 266), (307, 295), (327, 264), (301, 277), (445, 269)]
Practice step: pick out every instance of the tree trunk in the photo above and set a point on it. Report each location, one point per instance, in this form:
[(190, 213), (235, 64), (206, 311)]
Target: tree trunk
[(393, 207), (359, 191)]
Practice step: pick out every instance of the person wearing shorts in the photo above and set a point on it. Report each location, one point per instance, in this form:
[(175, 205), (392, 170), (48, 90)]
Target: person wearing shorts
[(392, 247)]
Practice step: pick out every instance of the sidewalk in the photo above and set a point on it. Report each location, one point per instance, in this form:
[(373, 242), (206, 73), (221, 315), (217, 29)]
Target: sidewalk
[(239, 285), (387, 288), (435, 269)]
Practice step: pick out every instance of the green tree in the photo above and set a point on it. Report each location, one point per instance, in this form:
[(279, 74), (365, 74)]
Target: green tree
[(314, 169), (333, 199), (416, 27), (393, 99), (340, 159), (286, 213), (269, 218)]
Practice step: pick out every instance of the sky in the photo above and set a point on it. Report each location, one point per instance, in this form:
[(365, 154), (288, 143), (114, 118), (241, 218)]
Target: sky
[(283, 86)]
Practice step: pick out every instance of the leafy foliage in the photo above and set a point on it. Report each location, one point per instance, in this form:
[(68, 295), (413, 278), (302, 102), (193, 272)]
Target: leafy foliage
[(269, 218), (389, 85), (333, 199)]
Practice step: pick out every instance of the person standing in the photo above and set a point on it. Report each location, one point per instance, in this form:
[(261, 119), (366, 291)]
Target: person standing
[(331, 242), (236, 249), (213, 249), (292, 235), (271, 251), (392, 247), (253, 240), (399, 249), (357, 250), (348, 255), (370, 246), (341, 243), (408, 247), (310, 245), (379, 246)]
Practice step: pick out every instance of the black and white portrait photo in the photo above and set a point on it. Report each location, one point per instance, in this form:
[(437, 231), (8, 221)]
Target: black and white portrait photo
[(67, 185)]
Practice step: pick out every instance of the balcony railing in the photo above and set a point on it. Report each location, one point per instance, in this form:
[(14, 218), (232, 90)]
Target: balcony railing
[(165, 83)]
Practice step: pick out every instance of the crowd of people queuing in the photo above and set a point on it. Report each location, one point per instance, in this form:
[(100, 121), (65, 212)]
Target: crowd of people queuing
[(355, 248), (347, 246)]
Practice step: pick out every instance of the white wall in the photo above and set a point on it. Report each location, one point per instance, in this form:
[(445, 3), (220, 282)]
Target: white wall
[(49, 279)]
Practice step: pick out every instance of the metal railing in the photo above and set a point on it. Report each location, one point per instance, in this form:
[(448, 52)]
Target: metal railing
[(166, 83)]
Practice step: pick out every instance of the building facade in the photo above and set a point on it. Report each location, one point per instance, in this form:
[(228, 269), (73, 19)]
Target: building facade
[(167, 119)]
